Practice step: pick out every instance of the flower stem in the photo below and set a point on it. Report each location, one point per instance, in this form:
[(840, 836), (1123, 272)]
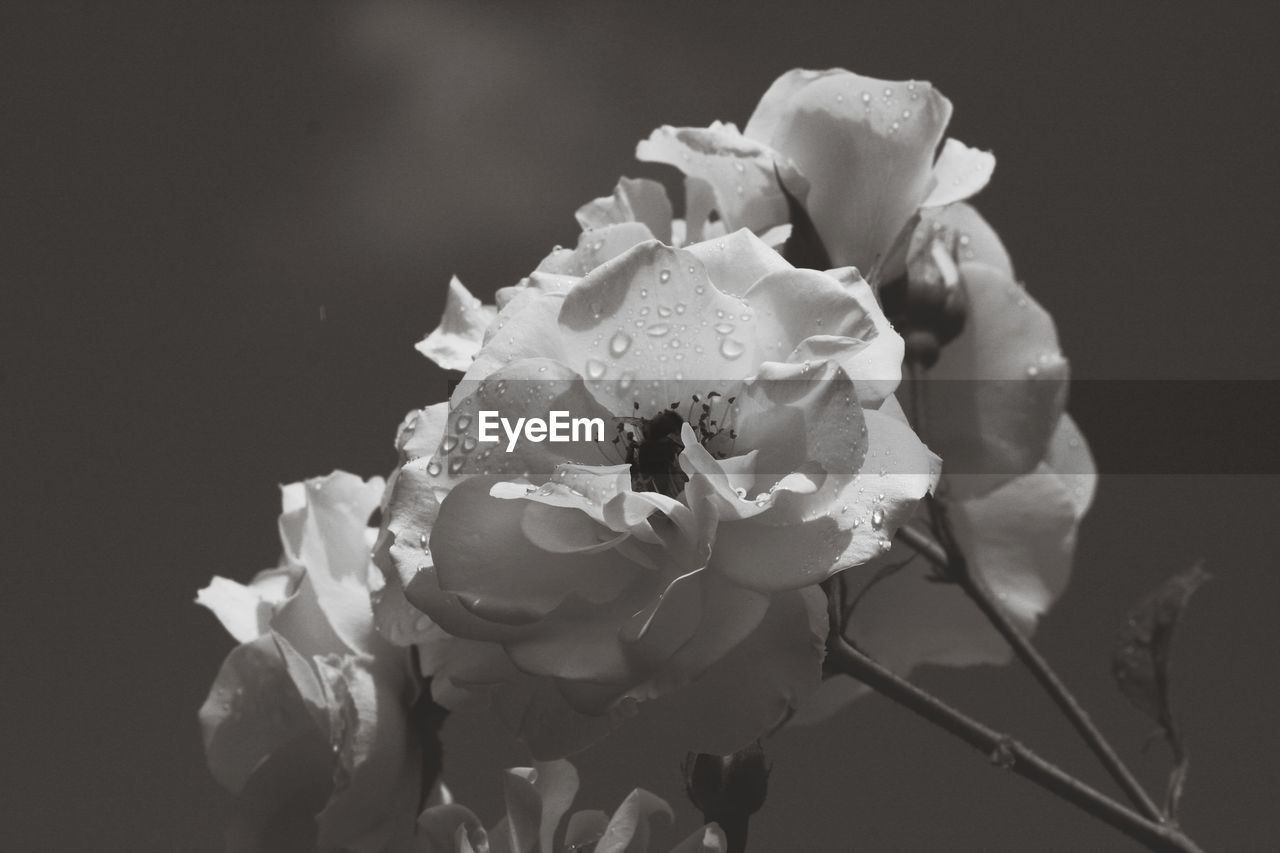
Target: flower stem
[(1002, 750), (954, 567)]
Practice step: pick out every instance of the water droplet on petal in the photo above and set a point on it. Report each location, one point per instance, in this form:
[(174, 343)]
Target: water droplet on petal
[(463, 422), (595, 368), (619, 344), (664, 276), (730, 348), (433, 468), (723, 328), (657, 330), (449, 443), (664, 311), (455, 464), (468, 444), (877, 518)]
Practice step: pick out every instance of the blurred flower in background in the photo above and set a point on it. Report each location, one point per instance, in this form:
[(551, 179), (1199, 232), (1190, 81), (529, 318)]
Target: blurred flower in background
[(537, 801), (308, 719)]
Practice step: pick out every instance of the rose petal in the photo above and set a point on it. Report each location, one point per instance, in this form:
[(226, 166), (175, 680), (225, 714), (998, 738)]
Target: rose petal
[(960, 172), (633, 200), (455, 342), (376, 778), (595, 247), (421, 430), (1071, 460), (483, 555), (1021, 537), (537, 712), (628, 829), (964, 234), (740, 171), (761, 679), (585, 827), (439, 828), (1002, 385), (865, 145), (898, 471), (239, 608), (336, 555), (737, 261), (557, 785), (794, 305), (614, 329), (253, 709)]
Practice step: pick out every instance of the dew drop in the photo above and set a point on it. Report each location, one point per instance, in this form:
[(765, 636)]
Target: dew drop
[(595, 368), (664, 311), (730, 348), (433, 468), (1033, 371), (619, 344), (866, 97), (680, 307), (723, 328), (877, 518), (657, 330), (468, 444), (463, 422), (664, 276), (455, 464), (449, 443), (644, 293)]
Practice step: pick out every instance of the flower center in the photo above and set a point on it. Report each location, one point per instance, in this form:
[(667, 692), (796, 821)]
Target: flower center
[(652, 445)]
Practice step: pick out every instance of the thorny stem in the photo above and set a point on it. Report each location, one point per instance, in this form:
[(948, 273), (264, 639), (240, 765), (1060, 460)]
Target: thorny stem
[(955, 569), (1001, 749)]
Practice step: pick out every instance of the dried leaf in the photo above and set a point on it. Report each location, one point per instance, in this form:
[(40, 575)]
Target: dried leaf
[(1140, 665)]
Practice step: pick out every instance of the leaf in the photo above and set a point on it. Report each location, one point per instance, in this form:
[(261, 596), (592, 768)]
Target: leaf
[(1140, 665), (804, 248)]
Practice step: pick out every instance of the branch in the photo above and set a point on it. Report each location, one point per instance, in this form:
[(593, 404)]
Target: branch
[(1003, 750), (955, 569)]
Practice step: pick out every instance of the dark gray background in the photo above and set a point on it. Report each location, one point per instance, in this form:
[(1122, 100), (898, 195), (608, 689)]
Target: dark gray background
[(226, 223)]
